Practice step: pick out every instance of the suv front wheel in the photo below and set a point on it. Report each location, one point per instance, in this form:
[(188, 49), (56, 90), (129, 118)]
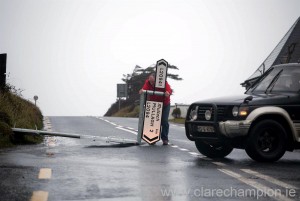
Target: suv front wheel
[(218, 150), (266, 141)]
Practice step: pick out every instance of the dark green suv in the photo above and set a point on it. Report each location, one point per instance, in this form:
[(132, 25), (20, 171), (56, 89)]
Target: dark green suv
[(265, 121)]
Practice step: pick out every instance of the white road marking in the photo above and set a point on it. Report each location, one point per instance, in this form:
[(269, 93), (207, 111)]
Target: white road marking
[(182, 127), (182, 149), (193, 153), (219, 164), (197, 156), (47, 124), (45, 173), (130, 128), (174, 146), (39, 196), (112, 123), (206, 159), (260, 187), (124, 129), (269, 179)]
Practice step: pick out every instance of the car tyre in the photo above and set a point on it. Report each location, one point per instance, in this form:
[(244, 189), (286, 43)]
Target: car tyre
[(266, 141), (218, 150)]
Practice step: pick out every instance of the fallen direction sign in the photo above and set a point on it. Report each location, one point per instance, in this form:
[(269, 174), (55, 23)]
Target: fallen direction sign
[(39, 132), (109, 139), (152, 121)]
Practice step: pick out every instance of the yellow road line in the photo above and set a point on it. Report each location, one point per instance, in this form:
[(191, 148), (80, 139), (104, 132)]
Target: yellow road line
[(39, 196), (45, 173)]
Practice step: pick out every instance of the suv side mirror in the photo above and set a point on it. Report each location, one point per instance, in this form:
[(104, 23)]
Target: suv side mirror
[(248, 99)]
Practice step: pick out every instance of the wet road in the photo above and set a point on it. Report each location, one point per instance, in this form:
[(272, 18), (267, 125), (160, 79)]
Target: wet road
[(73, 169)]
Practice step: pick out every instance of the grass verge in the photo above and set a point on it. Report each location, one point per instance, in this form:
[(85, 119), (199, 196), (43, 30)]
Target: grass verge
[(18, 112), (129, 111)]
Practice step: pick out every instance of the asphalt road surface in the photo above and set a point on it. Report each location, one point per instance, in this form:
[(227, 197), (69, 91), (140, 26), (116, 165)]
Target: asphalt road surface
[(87, 169)]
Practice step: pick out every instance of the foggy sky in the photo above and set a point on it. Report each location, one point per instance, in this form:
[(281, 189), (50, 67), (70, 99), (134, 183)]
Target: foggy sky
[(72, 53)]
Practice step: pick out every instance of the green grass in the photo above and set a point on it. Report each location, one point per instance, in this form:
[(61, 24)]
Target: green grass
[(5, 135), (18, 112), (129, 111)]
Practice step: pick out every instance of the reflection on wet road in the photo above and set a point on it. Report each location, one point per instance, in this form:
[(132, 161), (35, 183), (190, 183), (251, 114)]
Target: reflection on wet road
[(87, 169)]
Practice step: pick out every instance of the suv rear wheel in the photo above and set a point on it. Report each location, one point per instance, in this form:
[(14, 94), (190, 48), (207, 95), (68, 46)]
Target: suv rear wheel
[(218, 150), (266, 141)]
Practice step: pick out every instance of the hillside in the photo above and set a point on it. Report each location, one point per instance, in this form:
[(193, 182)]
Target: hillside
[(18, 112)]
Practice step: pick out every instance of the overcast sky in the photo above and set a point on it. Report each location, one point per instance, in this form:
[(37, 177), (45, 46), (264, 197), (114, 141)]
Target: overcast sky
[(72, 53)]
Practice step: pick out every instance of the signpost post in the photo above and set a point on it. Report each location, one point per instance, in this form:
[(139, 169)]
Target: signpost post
[(151, 111), (2, 70)]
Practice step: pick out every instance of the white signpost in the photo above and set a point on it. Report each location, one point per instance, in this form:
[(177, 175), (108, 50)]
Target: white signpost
[(153, 109), (152, 121)]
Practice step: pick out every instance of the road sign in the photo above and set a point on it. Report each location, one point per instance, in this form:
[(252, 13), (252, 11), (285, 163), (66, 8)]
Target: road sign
[(121, 90), (35, 99), (152, 121), (161, 74), (2, 70)]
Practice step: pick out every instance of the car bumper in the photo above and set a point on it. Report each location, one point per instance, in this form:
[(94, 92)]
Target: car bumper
[(234, 128)]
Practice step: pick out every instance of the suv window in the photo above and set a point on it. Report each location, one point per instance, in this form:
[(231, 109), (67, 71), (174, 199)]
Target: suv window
[(279, 80)]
